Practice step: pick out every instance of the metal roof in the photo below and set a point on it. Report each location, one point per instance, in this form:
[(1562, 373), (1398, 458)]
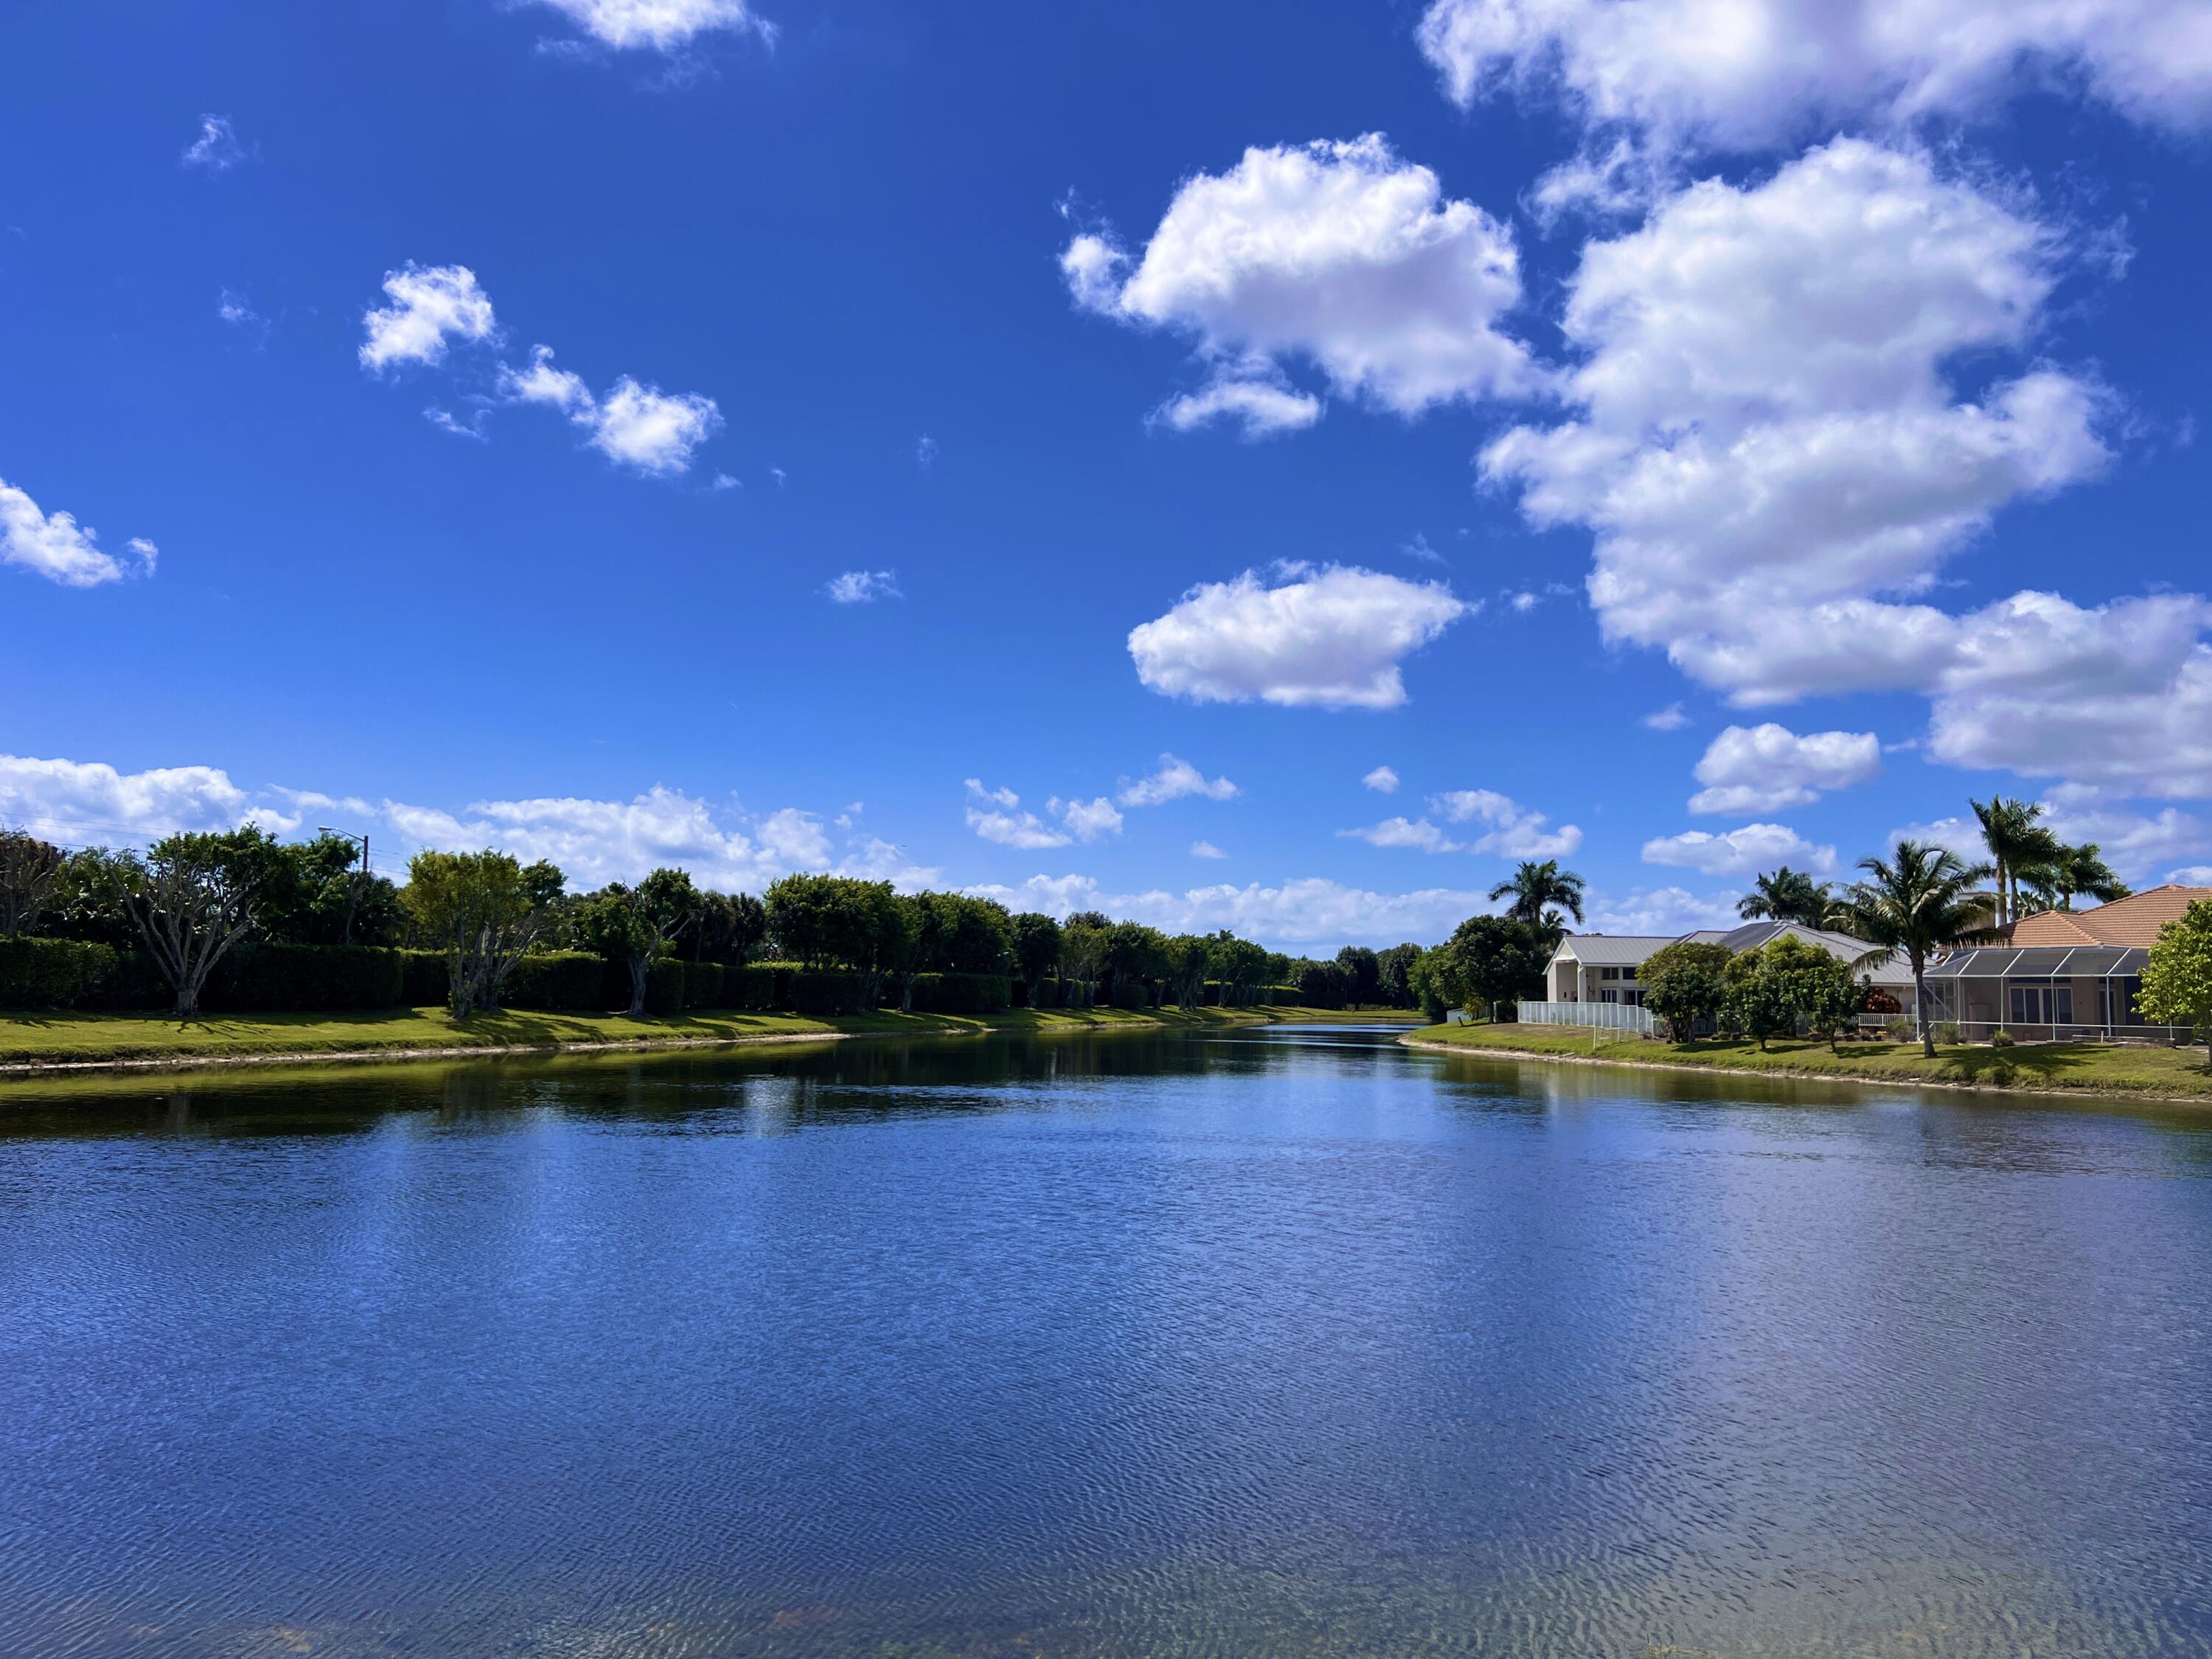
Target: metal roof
[(2042, 962), (1614, 950)]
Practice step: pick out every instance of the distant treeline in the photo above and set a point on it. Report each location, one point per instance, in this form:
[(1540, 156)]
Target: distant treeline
[(241, 921)]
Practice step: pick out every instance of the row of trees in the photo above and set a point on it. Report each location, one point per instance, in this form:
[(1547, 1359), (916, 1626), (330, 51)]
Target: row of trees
[(190, 899)]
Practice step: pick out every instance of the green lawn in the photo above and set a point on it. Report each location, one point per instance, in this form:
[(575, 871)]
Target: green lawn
[(2091, 1067), (49, 1039)]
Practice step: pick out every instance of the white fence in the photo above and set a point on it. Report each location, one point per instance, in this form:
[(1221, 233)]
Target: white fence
[(1602, 1015)]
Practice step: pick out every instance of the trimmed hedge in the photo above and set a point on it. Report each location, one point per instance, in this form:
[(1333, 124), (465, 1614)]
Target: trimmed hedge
[(829, 993), (704, 985), (54, 973), (292, 979), (963, 994), (758, 989), (425, 979), (558, 982)]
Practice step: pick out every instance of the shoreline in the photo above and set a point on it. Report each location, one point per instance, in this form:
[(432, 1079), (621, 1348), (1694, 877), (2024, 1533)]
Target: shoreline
[(1855, 1079), (13, 1070)]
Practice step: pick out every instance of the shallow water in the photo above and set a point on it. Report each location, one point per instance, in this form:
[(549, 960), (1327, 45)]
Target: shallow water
[(1287, 1341)]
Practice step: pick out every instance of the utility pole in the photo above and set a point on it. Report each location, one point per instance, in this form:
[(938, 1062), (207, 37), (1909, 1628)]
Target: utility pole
[(353, 887)]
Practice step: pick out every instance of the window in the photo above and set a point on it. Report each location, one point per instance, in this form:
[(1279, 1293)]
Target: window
[(1628, 973), (1608, 973), (2124, 992), (2042, 1002), (1608, 996)]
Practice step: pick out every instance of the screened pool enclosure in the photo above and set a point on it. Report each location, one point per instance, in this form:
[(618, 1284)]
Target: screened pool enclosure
[(2045, 993)]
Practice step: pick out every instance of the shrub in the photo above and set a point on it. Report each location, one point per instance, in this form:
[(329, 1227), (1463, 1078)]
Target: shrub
[(1132, 993), (54, 973), (704, 985), (1685, 984), (2002, 1039), (963, 994), (425, 979), (820, 992), (1900, 1029), (760, 987), (567, 981), (1946, 1031), (307, 979)]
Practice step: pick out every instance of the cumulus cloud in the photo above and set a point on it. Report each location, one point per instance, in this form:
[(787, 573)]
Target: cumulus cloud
[(996, 816), (216, 148), (1665, 912), (1768, 447), (1512, 830), (1206, 849), (85, 803), (1669, 719), (431, 306), (1339, 254), (1383, 780), (55, 546), (1767, 768), (1418, 833), (1087, 820), (1754, 847), (1312, 910), (863, 586), (1260, 407), (2136, 844), (637, 426), (1175, 779), (658, 25), (1327, 639), (1745, 74)]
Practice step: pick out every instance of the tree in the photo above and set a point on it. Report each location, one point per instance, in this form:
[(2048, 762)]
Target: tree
[(1362, 972), (1318, 984), (1394, 976), (1240, 965), (2177, 981), (1082, 950), (1918, 902), (2020, 848), (1684, 983), (731, 928), (1036, 949), (30, 871), (1534, 888), (484, 910), (1787, 896), (1135, 955), (192, 899), (1772, 991), (635, 925), (1187, 956), (2081, 872), (1490, 962)]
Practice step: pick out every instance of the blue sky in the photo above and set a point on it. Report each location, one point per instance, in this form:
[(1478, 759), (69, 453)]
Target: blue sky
[(1293, 390)]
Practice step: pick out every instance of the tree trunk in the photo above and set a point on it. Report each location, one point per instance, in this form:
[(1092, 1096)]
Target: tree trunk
[(906, 993), (1920, 1007), (638, 967)]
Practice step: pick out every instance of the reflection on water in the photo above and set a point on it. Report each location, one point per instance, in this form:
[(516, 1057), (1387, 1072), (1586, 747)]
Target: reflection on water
[(1261, 1342)]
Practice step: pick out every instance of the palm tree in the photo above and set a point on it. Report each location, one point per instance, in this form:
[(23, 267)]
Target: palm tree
[(2020, 849), (1922, 900), (2082, 870), (1787, 896), (1533, 888)]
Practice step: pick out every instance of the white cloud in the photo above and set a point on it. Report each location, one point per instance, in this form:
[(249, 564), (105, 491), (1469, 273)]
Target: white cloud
[(430, 305), (863, 586), (643, 426), (1331, 638), (1175, 780), (1339, 254), (1767, 768), (871, 858), (87, 803), (636, 426), (474, 428), (2194, 875), (1669, 719), (925, 452), (1087, 820), (1206, 849), (2136, 844), (1739, 73), (1262, 407), (1665, 912), (658, 25), (1514, 831), (1383, 780), (1312, 910), (1961, 834), (216, 149), (1755, 847), (1770, 449), (996, 816), (1418, 834), (55, 546)]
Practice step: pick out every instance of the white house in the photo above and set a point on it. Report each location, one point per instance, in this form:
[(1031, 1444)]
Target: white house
[(1603, 966)]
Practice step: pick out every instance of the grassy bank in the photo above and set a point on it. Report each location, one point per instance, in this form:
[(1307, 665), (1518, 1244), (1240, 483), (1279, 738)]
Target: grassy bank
[(2088, 1068), (29, 1041)]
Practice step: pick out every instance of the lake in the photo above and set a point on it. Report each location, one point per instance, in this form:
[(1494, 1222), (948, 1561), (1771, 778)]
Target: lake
[(1254, 1342)]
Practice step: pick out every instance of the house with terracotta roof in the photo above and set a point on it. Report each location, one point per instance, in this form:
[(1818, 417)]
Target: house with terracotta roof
[(2062, 974)]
